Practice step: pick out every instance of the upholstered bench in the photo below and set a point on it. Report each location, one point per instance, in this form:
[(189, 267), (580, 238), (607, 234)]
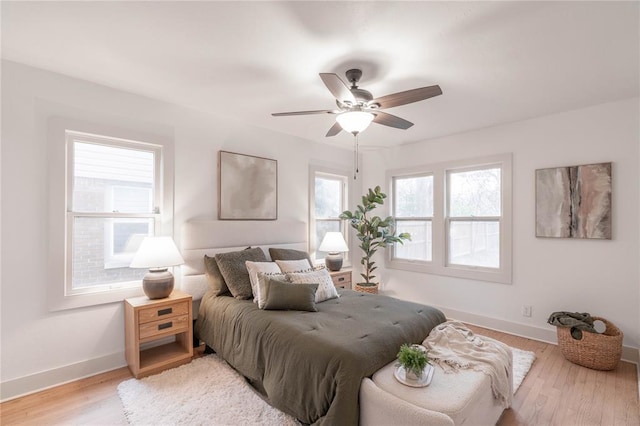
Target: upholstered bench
[(462, 398)]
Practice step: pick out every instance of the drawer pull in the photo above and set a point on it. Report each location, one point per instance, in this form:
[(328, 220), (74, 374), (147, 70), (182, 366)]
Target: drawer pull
[(165, 325), (341, 279), (165, 311)]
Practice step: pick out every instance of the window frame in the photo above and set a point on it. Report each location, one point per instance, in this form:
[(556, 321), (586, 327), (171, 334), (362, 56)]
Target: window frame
[(340, 175), (56, 135), (448, 219), (71, 137), (439, 265), (397, 219)]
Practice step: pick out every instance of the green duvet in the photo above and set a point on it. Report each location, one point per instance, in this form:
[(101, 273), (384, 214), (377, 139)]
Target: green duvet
[(310, 364)]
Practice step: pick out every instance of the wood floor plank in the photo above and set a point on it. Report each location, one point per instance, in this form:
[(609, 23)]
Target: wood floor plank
[(556, 392)]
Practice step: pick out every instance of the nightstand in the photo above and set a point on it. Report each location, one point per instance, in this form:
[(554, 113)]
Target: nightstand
[(152, 321), (341, 278)]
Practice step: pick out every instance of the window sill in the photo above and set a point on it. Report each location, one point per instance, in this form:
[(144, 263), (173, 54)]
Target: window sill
[(497, 276), (61, 302)]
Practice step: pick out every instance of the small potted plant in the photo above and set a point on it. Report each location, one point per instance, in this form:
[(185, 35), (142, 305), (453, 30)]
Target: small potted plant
[(414, 359), (374, 233)]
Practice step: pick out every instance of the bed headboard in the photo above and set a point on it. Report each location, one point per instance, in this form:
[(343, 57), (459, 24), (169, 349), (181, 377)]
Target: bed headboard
[(211, 237)]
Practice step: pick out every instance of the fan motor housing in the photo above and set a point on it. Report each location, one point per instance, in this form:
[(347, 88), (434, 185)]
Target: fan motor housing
[(362, 95)]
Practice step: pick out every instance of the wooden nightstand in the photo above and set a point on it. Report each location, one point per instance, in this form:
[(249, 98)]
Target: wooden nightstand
[(146, 321), (341, 278)]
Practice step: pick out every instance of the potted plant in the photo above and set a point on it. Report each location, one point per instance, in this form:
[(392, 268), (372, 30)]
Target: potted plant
[(373, 233), (414, 359)]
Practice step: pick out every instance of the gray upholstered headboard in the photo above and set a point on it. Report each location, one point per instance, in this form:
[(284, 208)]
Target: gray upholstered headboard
[(211, 237)]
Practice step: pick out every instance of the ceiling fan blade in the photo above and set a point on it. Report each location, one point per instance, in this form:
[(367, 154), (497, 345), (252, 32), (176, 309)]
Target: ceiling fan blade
[(407, 97), (320, 111), (391, 120), (337, 88), (334, 130)]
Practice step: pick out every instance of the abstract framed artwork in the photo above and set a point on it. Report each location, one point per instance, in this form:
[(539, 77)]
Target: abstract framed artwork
[(247, 187), (574, 202)]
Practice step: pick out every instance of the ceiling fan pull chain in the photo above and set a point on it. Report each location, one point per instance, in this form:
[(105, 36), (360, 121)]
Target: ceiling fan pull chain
[(355, 155), (357, 152)]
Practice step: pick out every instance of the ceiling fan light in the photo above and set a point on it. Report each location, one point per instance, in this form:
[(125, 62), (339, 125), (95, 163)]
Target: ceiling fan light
[(354, 121)]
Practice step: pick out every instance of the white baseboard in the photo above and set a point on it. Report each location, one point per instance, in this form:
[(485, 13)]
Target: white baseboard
[(69, 373), (546, 335)]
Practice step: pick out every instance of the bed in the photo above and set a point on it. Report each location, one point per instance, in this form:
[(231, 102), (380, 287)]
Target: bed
[(307, 364)]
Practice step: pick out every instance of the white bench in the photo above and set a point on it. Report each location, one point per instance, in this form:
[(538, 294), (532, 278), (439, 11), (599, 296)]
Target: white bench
[(462, 398)]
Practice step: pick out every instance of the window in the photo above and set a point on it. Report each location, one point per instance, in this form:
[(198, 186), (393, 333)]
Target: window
[(113, 199), (473, 219), (459, 218), (328, 201), (413, 207)]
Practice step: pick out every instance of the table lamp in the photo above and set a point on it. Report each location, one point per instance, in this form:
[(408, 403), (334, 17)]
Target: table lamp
[(335, 245), (157, 254)]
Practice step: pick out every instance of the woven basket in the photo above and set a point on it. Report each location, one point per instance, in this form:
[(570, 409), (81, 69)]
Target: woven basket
[(372, 289), (594, 350)]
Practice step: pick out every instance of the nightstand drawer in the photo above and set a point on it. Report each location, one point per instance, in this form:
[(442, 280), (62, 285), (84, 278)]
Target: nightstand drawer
[(164, 326), (163, 312), (341, 279)]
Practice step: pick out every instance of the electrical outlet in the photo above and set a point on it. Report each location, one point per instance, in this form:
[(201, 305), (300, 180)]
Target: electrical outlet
[(526, 310)]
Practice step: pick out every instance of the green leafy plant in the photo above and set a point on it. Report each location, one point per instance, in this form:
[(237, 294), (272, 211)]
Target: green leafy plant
[(372, 231), (413, 358)]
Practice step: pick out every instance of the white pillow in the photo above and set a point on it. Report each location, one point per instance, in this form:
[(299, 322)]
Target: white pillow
[(263, 278), (254, 268), (326, 290), (294, 265)]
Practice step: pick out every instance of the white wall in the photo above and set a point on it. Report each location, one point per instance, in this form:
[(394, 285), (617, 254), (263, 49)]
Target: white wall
[(40, 347), (600, 277)]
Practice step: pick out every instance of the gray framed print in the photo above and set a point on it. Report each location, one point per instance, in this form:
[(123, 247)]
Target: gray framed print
[(247, 187), (574, 202)]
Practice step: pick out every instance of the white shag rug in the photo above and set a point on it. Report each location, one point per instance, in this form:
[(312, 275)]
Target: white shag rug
[(208, 391), (522, 361)]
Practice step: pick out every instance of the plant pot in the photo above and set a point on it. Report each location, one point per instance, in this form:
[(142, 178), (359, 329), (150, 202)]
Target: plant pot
[(372, 289)]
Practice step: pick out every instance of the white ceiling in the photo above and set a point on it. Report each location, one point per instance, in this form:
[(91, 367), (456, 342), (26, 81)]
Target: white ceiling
[(496, 62)]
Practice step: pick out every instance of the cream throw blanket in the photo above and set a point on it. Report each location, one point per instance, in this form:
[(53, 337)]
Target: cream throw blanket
[(453, 346)]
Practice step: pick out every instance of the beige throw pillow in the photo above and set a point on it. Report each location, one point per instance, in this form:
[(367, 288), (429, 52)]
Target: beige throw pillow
[(254, 268), (326, 289), (301, 265)]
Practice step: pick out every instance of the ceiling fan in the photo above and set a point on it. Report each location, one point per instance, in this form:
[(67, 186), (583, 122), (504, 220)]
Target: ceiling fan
[(357, 107)]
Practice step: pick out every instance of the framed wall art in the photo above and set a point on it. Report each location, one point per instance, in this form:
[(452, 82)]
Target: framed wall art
[(574, 202), (247, 187)]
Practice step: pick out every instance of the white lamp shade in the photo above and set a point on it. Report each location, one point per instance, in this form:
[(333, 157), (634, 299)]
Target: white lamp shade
[(333, 242), (157, 252), (354, 121)]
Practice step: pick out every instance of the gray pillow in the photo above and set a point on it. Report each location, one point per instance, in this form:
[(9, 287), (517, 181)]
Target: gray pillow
[(233, 269), (293, 297), (289, 254), (216, 282)]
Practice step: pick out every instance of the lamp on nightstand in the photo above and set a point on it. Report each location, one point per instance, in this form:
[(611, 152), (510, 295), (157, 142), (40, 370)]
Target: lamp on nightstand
[(157, 254), (335, 245)]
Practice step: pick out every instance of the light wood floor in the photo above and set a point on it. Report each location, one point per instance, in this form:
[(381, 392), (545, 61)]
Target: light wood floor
[(555, 392)]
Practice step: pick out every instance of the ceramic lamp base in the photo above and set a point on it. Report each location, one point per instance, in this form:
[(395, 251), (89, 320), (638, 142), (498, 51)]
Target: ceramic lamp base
[(333, 261), (158, 283)]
